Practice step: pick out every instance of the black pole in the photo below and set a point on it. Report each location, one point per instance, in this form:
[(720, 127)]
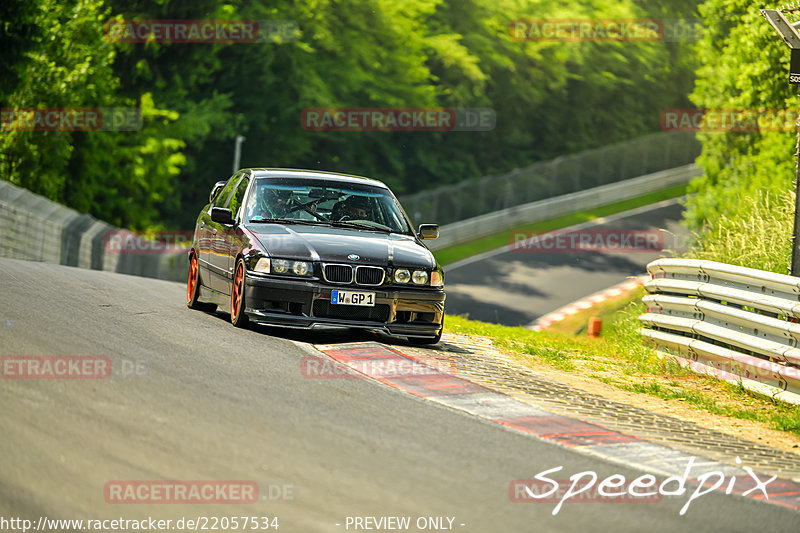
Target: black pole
[(791, 37), (795, 267)]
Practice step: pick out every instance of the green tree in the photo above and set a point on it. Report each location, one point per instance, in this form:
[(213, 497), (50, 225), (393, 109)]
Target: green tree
[(550, 98), (744, 66), (123, 177)]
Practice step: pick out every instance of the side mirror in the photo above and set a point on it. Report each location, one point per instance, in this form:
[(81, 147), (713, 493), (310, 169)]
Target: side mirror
[(217, 187), (222, 215), (428, 231)]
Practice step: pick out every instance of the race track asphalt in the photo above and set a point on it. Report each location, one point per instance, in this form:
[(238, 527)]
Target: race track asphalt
[(192, 398), (515, 288)]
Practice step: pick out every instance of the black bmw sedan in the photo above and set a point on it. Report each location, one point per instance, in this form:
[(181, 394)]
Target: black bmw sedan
[(301, 249)]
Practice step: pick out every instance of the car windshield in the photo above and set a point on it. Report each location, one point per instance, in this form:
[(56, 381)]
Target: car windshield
[(324, 202)]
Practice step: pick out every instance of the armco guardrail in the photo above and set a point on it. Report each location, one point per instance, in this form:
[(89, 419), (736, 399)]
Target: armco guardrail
[(547, 179), (477, 227), (34, 228), (737, 324)]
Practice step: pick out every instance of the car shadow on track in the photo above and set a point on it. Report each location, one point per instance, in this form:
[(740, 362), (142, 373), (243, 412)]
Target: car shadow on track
[(329, 335)]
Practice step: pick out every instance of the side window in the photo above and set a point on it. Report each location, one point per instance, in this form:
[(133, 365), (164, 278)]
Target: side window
[(222, 197), (390, 217), (238, 196), (252, 203)]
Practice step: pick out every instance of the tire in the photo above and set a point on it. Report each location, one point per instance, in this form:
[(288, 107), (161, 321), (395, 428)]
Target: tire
[(238, 317), (193, 284)]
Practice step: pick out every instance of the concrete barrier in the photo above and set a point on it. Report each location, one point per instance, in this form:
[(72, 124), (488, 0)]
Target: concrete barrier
[(34, 228)]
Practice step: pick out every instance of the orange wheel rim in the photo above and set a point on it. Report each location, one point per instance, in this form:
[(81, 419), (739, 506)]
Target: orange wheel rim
[(192, 283), (236, 292)]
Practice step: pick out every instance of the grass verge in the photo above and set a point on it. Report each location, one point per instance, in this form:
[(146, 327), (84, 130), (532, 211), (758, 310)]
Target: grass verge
[(618, 358), (455, 253)]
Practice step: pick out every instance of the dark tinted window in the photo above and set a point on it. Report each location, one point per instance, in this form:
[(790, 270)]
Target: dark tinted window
[(238, 196), (222, 198), (326, 202)]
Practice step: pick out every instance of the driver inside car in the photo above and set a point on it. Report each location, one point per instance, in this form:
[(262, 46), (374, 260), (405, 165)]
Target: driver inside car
[(273, 203), (355, 208)]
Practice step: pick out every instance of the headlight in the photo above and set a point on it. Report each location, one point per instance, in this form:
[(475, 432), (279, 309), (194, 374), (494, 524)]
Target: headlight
[(301, 268), (420, 277), (288, 266), (262, 266), (402, 275), (280, 266), (437, 280)]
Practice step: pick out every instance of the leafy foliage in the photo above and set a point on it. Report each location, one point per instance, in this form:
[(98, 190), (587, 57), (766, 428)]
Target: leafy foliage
[(741, 208), (550, 98), (122, 177)]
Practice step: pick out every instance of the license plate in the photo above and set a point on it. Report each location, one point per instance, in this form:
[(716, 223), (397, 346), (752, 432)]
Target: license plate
[(364, 299)]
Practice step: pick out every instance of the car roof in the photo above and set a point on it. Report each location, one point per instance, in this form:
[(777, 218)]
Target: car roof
[(319, 174)]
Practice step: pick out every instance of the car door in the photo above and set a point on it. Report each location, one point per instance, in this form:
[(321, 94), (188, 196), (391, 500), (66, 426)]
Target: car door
[(230, 237), (217, 263), (203, 233)]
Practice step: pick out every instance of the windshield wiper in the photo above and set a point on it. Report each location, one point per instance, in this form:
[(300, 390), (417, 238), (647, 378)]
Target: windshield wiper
[(348, 224), (286, 221), (334, 223)]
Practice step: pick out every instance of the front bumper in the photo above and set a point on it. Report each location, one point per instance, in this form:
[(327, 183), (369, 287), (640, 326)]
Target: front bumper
[(306, 303)]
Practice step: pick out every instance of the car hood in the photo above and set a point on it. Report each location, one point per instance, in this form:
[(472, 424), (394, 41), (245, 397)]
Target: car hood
[(334, 245)]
